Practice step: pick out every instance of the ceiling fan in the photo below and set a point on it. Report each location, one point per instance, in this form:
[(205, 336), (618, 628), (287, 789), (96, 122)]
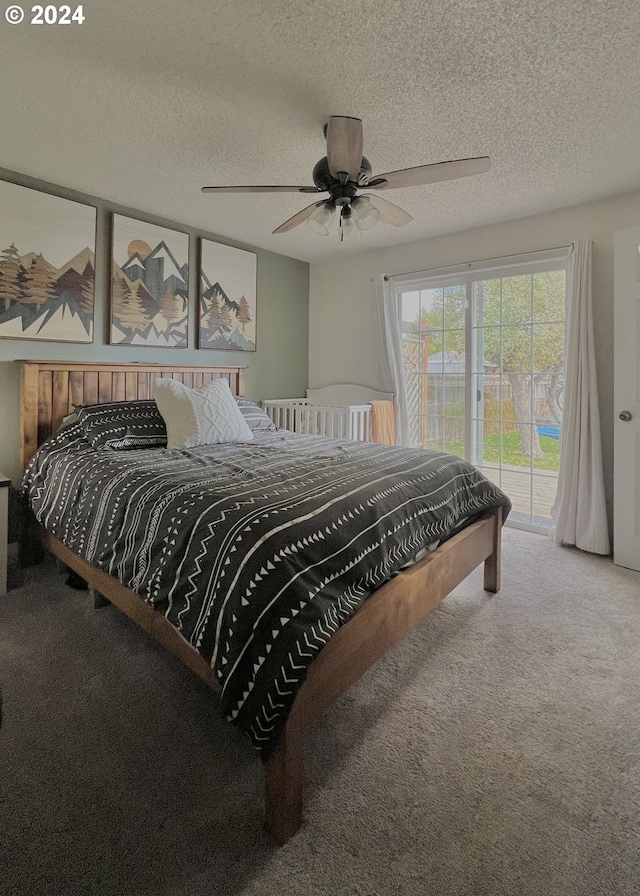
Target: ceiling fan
[(343, 171)]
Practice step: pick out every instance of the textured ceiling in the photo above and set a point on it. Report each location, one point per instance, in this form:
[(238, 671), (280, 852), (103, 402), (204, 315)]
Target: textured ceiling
[(147, 101)]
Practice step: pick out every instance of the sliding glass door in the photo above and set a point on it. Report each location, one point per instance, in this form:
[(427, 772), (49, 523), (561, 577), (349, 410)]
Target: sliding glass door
[(483, 358)]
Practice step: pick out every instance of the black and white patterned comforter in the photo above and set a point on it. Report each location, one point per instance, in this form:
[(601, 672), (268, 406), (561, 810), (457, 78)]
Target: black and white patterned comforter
[(255, 552)]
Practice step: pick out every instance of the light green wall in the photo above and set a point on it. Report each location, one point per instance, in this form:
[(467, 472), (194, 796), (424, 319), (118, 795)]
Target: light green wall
[(277, 369)]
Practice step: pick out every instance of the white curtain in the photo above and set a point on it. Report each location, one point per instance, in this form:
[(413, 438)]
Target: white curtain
[(390, 344), (579, 510)]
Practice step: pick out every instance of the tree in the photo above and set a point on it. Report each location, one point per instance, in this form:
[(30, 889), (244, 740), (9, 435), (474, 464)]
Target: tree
[(87, 290), (227, 319), (131, 311), (119, 293), (218, 316), (170, 306), (521, 335), (11, 272), (39, 281), (243, 312), (213, 320)]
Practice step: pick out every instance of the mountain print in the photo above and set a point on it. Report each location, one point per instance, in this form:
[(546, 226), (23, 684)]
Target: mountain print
[(40, 301), (47, 266), (149, 285), (227, 318)]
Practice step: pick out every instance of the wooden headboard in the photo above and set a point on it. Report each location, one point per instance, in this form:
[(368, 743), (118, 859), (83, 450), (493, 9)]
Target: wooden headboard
[(49, 390)]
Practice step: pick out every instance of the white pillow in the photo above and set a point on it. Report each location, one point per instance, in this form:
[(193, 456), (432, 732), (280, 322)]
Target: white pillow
[(205, 416)]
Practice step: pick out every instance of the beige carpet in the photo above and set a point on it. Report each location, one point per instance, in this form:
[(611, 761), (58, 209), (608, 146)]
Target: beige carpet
[(495, 751)]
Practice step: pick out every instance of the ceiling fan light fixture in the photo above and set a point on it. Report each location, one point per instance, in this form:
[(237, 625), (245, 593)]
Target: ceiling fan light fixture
[(321, 220), (348, 227), (364, 213), (343, 171)]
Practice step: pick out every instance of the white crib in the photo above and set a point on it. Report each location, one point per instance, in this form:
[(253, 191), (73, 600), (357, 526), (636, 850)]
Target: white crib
[(341, 411)]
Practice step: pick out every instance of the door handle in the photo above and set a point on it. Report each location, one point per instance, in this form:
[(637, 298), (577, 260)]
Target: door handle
[(625, 416)]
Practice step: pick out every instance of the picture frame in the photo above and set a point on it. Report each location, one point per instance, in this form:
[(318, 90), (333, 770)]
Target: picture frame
[(47, 266), (149, 284), (227, 297)]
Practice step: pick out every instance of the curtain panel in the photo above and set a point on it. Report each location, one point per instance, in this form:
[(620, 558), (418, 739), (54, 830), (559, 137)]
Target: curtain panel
[(579, 510), (390, 347)]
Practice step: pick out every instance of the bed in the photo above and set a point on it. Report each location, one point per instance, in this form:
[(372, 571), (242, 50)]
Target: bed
[(365, 629)]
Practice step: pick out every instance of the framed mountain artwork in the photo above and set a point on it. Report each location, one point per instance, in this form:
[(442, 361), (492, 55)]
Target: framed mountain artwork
[(149, 284), (47, 266), (227, 297)]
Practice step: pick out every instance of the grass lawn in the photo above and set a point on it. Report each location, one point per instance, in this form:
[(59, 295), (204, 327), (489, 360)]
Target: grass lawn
[(512, 455)]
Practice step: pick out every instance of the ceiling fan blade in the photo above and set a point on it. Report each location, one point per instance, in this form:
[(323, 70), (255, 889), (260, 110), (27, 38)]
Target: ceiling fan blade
[(263, 189), (344, 146), (298, 218), (429, 174), (389, 213)]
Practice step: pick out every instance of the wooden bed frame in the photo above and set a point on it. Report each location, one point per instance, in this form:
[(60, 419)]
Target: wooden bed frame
[(50, 389)]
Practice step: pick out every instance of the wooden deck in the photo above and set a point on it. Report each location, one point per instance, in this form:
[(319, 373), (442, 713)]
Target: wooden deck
[(532, 496)]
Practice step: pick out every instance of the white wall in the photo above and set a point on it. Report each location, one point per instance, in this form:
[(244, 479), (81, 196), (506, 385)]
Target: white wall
[(343, 343)]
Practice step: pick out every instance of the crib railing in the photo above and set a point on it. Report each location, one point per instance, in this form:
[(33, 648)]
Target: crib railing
[(298, 415)]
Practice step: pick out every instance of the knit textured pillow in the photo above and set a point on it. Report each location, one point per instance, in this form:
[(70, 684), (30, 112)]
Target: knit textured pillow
[(121, 425), (257, 420), (205, 416)]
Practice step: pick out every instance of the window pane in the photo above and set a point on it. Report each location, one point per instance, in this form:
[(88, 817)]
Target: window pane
[(516, 349), (549, 296), (453, 394), (414, 431), (549, 398), (518, 487), (435, 360), (516, 300), (520, 404), (431, 308), (488, 303), (432, 431), (410, 308), (488, 349), (489, 403), (454, 435), (455, 306), (548, 347), (454, 341), (544, 495), (416, 396), (411, 353), (433, 393)]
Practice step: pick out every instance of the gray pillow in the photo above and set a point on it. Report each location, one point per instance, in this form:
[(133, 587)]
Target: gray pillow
[(122, 425), (255, 417)]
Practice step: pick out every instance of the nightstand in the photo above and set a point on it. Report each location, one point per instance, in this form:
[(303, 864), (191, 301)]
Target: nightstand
[(4, 531)]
